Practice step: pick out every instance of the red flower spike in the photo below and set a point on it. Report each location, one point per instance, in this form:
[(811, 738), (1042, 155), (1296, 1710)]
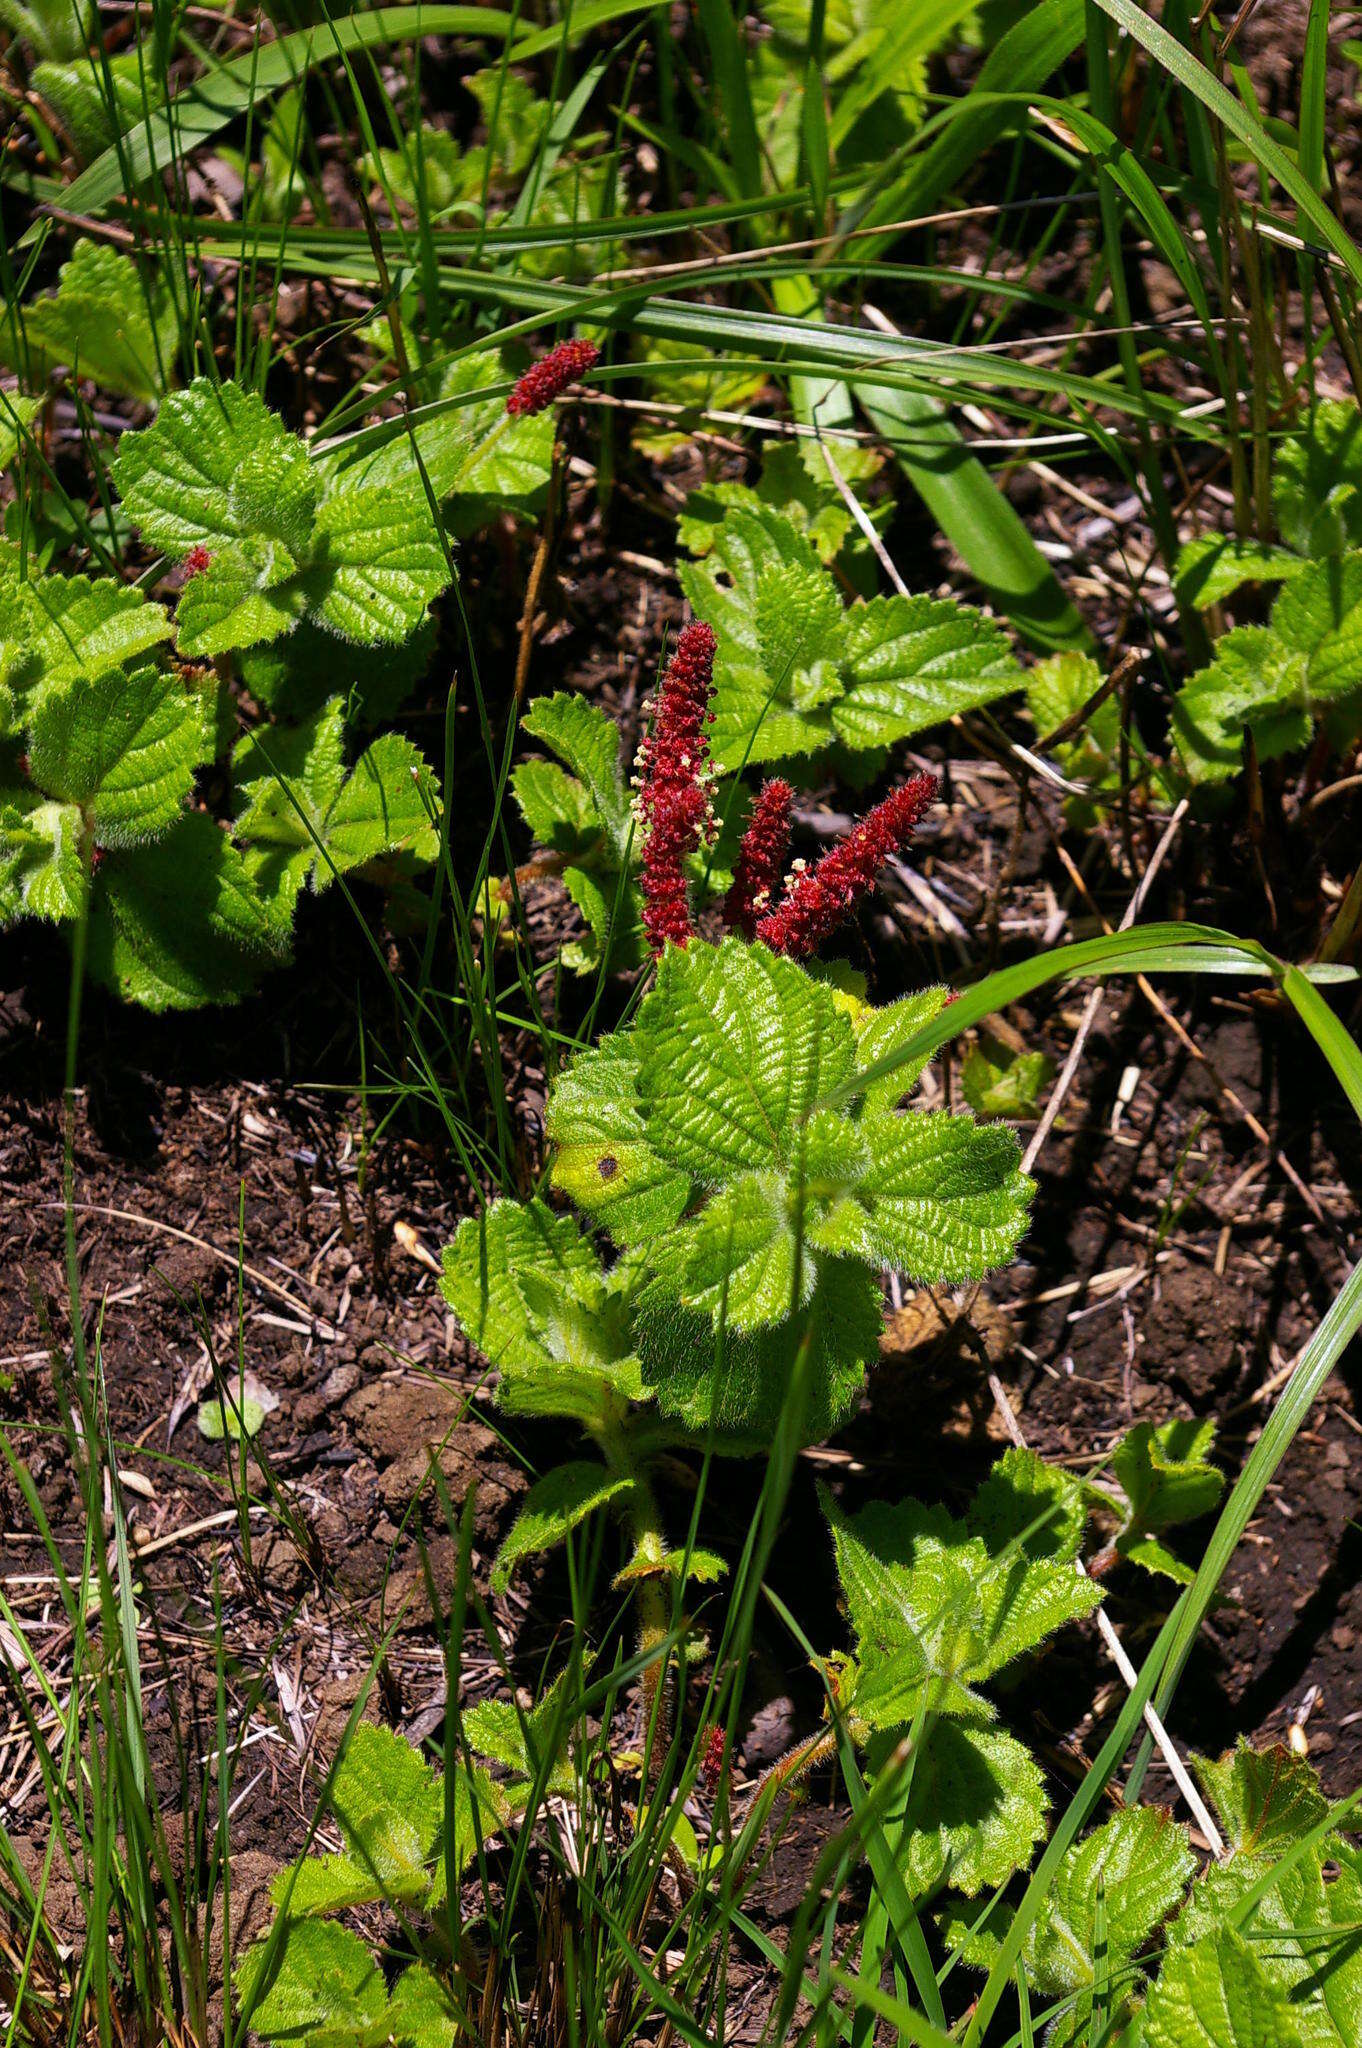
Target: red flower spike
[(197, 560), (674, 801), (712, 1761), (818, 901), (544, 381), (760, 858)]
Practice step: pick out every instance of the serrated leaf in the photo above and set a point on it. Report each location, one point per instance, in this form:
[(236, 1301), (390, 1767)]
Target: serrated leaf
[(531, 1294), (587, 742), (473, 451), (215, 468), (389, 1805), (1317, 482), (123, 748), (1267, 1800), (1274, 680), (76, 89), (246, 595), (294, 678), (1167, 1479), (325, 1982), (975, 1811), (1303, 1928), (1214, 565), (718, 1088), (796, 671), (178, 923), (330, 1884), (55, 628), (302, 819), (882, 1030), (524, 1742), (914, 662), (17, 414), (378, 562), (796, 482), (738, 1382), (101, 323), (946, 1199), (1217, 1994), (939, 1605), (42, 870), (735, 1047), (554, 1506), (996, 1082), (421, 2013), (604, 1160)]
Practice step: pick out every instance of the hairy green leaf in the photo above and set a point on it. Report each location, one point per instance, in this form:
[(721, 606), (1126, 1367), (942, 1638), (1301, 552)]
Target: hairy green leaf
[(939, 1605), (552, 1509), (42, 869), (180, 923), (123, 747), (1217, 1994), (796, 672), (103, 323), (531, 1294)]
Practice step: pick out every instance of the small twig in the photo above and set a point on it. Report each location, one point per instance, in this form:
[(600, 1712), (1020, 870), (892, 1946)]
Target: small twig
[(1182, 1778)]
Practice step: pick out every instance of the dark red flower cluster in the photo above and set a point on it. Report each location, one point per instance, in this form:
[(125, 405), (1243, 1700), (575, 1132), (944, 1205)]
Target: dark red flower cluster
[(197, 560), (674, 806), (712, 1760), (544, 381), (818, 900), (761, 858)]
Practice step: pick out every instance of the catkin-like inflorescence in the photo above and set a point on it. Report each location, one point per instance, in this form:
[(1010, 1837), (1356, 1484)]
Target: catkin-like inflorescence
[(674, 807), (713, 1758), (544, 381), (818, 900), (197, 560), (761, 857)]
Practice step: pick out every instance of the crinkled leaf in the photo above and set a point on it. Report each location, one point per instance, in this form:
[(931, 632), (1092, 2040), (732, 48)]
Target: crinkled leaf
[(995, 1082), (587, 742), (216, 467), (179, 923), (1218, 1994), (17, 414), (1214, 565), (123, 747), (552, 1509), (378, 562), (421, 2013), (42, 871), (975, 1811), (381, 808), (881, 1031), (1267, 1799), (604, 1160), (531, 1294), (76, 89), (1317, 482), (796, 671), (54, 628), (945, 1198), (736, 1045), (739, 1381), (796, 482), (294, 678), (247, 595), (101, 323), (939, 1605), (1167, 1479), (470, 447), (388, 1804), (325, 1985), (913, 662)]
